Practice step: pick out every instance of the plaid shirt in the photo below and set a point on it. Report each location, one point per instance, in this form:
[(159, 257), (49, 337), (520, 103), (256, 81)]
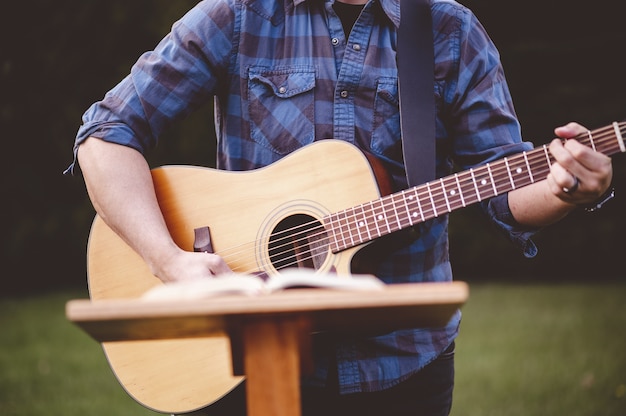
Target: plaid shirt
[(284, 75)]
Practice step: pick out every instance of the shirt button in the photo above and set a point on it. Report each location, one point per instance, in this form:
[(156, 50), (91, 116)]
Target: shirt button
[(356, 47), (335, 41), (282, 90), (344, 94)]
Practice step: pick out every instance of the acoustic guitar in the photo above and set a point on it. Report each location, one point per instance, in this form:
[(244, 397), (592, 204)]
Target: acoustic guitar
[(314, 208)]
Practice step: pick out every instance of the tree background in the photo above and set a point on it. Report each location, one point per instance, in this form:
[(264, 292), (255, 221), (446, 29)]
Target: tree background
[(564, 61)]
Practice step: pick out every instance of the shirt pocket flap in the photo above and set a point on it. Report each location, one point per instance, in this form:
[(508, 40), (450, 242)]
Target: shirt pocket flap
[(286, 84)]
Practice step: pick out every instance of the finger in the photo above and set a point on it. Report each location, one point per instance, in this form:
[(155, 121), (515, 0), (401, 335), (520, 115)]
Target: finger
[(571, 153), (590, 167), (573, 187), (217, 265), (561, 180), (570, 130), (587, 157), (562, 155)]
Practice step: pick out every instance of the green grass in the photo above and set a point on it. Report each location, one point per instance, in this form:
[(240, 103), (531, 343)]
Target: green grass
[(542, 350), (48, 366), (524, 350)]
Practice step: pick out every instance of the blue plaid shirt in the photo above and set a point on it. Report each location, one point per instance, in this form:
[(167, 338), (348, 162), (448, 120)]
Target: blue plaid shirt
[(283, 75)]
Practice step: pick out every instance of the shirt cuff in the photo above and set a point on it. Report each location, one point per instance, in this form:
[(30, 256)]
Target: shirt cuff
[(111, 132), (499, 211)]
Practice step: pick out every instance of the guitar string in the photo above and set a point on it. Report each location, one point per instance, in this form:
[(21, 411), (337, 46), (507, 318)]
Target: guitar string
[(539, 154), (438, 194), (301, 258), (499, 176), (499, 173), (354, 239)]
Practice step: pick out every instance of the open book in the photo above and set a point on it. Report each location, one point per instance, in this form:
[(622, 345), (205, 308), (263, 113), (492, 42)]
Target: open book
[(255, 285)]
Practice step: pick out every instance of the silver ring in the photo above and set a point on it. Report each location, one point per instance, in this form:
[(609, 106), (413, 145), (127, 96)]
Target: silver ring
[(572, 188)]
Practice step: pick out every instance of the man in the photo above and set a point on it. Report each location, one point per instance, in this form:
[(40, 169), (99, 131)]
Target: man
[(285, 73)]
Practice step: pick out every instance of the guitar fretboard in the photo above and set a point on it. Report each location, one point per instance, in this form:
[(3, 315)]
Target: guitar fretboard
[(368, 221)]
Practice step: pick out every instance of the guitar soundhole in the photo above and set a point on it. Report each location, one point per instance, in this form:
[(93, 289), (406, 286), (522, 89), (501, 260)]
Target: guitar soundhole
[(298, 241)]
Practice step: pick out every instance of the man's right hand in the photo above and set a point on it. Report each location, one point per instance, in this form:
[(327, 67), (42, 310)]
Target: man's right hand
[(186, 265), (120, 186)]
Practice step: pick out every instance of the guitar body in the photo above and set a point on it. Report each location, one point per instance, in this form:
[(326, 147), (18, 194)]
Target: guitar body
[(243, 211), (315, 208)]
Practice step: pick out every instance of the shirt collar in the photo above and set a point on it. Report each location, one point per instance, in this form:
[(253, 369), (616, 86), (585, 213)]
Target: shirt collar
[(390, 7)]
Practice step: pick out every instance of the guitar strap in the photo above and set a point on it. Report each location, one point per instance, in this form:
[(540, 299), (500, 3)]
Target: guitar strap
[(416, 89)]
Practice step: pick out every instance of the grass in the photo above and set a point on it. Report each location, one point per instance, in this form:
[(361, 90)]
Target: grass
[(523, 350), (50, 367), (542, 350)]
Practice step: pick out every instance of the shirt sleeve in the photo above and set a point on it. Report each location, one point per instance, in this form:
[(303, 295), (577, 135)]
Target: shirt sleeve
[(165, 84), (497, 209), (484, 126)]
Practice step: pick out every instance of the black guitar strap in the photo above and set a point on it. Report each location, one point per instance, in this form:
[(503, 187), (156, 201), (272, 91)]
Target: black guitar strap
[(416, 78)]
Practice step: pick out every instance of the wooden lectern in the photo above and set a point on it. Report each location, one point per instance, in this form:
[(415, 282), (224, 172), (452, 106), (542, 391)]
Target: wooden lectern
[(270, 334)]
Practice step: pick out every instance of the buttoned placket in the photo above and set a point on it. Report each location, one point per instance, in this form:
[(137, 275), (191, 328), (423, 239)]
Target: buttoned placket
[(350, 58)]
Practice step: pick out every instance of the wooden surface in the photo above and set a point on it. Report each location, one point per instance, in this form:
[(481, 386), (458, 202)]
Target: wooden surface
[(273, 358), (396, 306), (269, 337)]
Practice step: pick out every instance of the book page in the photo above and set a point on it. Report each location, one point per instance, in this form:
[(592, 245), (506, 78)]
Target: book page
[(252, 285), (203, 288), (295, 278)]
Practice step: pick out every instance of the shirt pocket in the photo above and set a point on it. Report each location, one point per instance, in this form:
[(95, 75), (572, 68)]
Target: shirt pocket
[(386, 120), (281, 103)]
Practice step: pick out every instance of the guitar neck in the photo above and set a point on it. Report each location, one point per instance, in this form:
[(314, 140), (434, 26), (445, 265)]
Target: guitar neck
[(374, 219)]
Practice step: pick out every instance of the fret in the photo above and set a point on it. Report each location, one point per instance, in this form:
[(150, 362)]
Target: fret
[(475, 185), (338, 226), (362, 224), (338, 234), (432, 201), (519, 171), (372, 231), (458, 185), (396, 214), (372, 209), (419, 205), (483, 183), (468, 188), (422, 205), (404, 218), (591, 141), (414, 206), (609, 140), (508, 171), (445, 194), (344, 227), (618, 136), (380, 215), (545, 151), (486, 187), (354, 229), (329, 224), (503, 178), (410, 215), (493, 183), (528, 169), (452, 193)]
